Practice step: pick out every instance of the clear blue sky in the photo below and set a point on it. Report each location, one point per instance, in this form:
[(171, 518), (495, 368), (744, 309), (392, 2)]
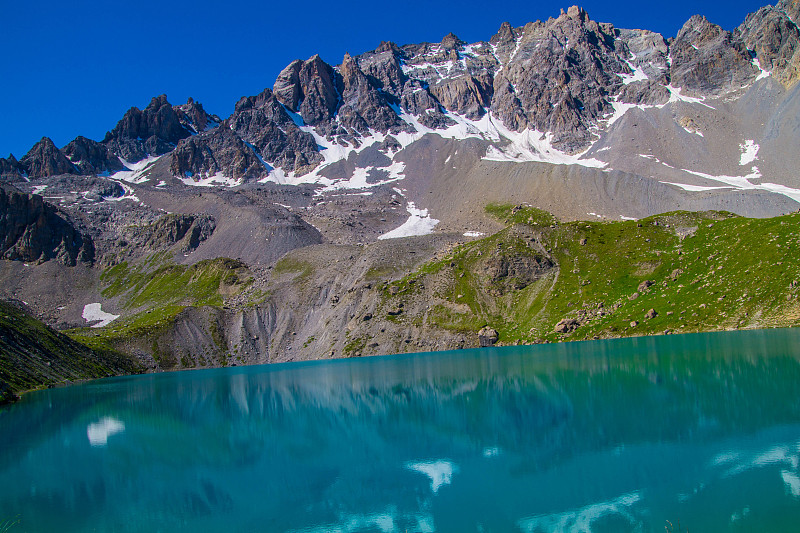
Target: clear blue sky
[(74, 67)]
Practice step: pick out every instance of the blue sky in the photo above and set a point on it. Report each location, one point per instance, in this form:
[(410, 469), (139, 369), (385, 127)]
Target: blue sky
[(73, 68)]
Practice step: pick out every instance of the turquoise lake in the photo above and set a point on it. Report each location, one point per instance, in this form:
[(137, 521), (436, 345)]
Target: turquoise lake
[(605, 436)]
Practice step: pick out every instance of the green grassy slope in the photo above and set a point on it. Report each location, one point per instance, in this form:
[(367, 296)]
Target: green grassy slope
[(157, 290), (705, 271), (33, 356)]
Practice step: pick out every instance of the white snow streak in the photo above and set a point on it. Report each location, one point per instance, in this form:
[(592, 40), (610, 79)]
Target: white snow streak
[(419, 223)]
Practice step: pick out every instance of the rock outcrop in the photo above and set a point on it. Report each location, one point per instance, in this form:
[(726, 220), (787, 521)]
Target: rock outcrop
[(188, 230), (33, 230), (44, 159), (91, 157), (707, 60), (10, 167), (216, 152), (154, 130), (264, 123), (559, 78), (772, 34)]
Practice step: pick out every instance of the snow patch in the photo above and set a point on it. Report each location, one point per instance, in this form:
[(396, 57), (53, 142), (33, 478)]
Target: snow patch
[(696, 188), (623, 217), (676, 96), (743, 183), (474, 234), (419, 223), (696, 132), (129, 193), (39, 189), (359, 178), (216, 180), (94, 312), (762, 73), (532, 145), (135, 172), (638, 74), (792, 482), (98, 432), (749, 152)]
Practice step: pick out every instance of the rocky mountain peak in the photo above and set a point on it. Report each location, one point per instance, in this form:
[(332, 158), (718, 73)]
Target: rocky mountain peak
[(452, 42), (388, 46), (152, 131), (318, 89), (575, 12), (44, 159), (193, 117), (707, 59), (504, 35), (287, 86), (91, 157), (10, 167)]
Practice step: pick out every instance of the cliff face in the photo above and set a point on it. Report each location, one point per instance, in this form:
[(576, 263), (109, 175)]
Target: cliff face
[(34, 231)]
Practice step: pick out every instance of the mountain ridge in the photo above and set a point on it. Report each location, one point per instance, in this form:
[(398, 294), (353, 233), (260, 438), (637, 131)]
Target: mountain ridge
[(562, 76)]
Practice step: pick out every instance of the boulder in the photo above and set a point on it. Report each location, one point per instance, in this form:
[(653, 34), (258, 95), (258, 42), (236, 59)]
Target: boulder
[(487, 337), (566, 325), (643, 286)]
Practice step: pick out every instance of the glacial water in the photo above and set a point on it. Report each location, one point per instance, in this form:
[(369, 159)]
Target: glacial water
[(698, 431)]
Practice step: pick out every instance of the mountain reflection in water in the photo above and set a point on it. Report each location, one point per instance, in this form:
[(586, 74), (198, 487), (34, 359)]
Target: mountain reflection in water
[(599, 436)]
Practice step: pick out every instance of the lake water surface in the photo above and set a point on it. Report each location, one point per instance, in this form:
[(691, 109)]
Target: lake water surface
[(603, 436)]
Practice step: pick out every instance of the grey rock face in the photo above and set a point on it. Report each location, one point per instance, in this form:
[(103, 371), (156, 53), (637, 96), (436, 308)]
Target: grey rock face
[(559, 77), (363, 107), (189, 230), (487, 337), (44, 159), (263, 122), (155, 130), (466, 95), (709, 60), (219, 151), (648, 51), (644, 92), (91, 157), (318, 90), (775, 39), (382, 68), (10, 167), (418, 101), (287, 87), (32, 230)]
